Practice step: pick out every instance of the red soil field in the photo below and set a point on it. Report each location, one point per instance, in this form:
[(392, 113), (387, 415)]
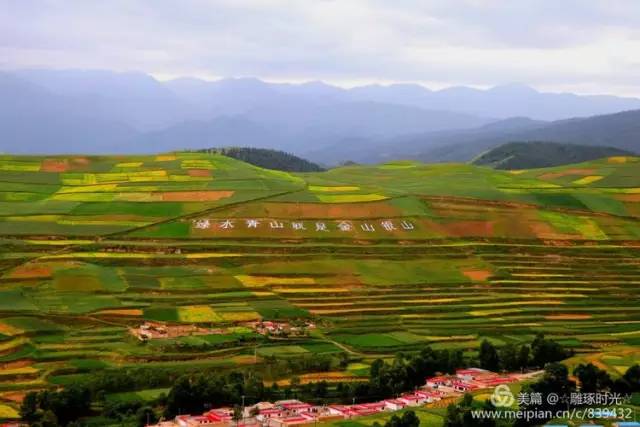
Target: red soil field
[(469, 228), (195, 196), (199, 172), (31, 272), (54, 165), (545, 231), (477, 275), (331, 211)]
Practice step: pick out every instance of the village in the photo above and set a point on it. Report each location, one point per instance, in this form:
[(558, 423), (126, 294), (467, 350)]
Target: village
[(151, 330), (291, 413)]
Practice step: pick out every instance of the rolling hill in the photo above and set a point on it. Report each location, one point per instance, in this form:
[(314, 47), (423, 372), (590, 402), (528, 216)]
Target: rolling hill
[(620, 130), (379, 258), (540, 154)]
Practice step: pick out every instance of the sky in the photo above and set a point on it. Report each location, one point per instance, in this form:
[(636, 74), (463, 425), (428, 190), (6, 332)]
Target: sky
[(581, 46)]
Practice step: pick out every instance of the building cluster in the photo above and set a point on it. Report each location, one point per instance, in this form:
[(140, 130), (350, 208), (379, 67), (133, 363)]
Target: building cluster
[(159, 330), (279, 328), (468, 380), (291, 413)]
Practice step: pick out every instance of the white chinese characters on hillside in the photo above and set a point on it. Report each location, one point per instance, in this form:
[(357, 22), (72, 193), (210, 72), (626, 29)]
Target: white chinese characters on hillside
[(345, 226)]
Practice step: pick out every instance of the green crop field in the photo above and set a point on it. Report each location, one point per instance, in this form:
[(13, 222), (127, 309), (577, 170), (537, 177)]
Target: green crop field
[(380, 259)]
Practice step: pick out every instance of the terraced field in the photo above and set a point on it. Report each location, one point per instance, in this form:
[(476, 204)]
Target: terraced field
[(381, 258)]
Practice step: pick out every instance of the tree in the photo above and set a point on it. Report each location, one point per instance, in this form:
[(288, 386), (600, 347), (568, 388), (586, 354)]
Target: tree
[(53, 408), (460, 415), (344, 360), (145, 416), (592, 379), (524, 357), (489, 358), (376, 367), (29, 408), (410, 419), (509, 357), (555, 380), (320, 389), (546, 351), (294, 382), (632, 377), (49, 419)]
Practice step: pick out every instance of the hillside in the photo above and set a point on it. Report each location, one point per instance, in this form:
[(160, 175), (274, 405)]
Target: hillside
[(540, 154), (269, 159), (371, 259), (620, 130)]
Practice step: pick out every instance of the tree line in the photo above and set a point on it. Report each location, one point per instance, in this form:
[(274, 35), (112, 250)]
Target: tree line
[(194, 392), (267, 158)]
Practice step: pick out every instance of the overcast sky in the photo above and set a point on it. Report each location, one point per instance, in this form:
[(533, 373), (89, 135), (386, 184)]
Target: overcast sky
[(584, 46)]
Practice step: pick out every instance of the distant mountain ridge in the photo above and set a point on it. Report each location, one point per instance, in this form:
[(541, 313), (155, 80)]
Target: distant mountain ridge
[(97, 111), (542, 154), (619, 130)]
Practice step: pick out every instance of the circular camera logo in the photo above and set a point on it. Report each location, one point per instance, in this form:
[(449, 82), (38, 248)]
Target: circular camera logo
[(502, 397)]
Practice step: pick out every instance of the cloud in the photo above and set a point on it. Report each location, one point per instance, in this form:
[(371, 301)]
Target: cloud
[(586, 44)]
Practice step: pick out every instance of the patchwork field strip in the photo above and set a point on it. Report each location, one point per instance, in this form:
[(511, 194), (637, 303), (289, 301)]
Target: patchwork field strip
[(94, 246)]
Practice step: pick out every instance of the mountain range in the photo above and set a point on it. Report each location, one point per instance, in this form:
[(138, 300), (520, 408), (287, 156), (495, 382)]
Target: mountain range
[(65, 111)]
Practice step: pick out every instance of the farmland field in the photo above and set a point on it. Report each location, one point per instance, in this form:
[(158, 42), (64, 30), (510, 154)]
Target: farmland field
[(380, 259)]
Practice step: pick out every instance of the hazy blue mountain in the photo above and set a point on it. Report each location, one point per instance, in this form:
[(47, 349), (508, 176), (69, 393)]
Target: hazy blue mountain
[(430, 146), (542, 154), (94, 111), (135, 99), (289, 127), (223, 97), (197, 135), (620, 130), (33, 120), (500, 102)]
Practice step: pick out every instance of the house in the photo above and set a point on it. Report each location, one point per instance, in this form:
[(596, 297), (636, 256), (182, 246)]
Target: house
[(471, 374), (193, 421), (341, 410), (268, 413), (290, 421), (414, 399), (373, 406), (463, 386), (294, 406), (394, 404), (430, 396), (221, 416), (435, 382)]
